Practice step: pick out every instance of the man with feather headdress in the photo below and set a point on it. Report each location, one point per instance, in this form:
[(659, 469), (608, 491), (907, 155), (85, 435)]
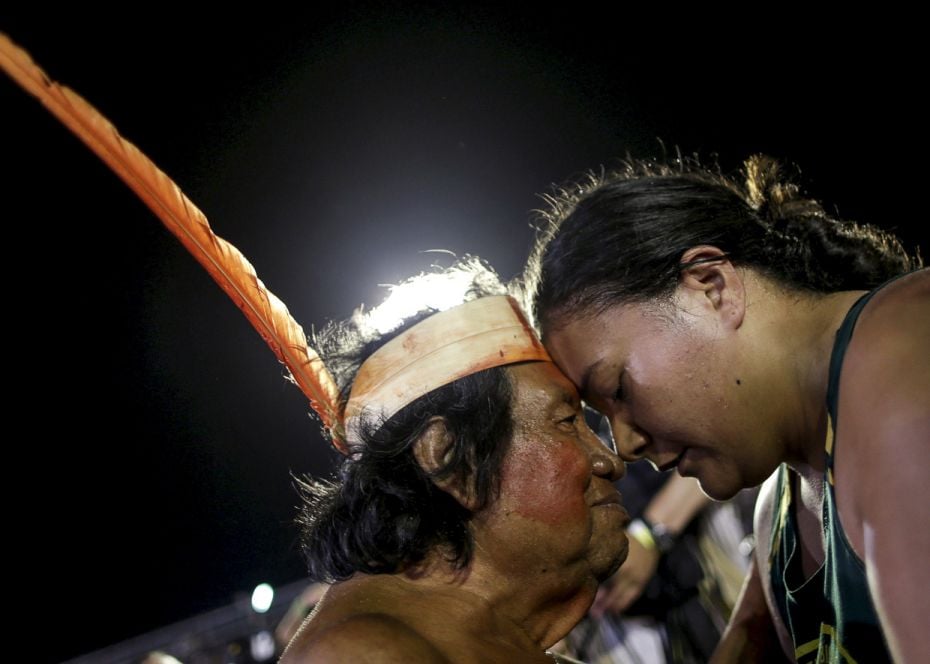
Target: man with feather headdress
[(475, 512)]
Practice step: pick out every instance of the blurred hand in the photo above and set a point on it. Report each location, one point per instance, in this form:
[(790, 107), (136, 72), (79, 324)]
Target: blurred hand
[(618, 592)]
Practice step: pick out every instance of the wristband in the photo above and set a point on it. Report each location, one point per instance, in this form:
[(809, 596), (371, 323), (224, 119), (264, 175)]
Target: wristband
[(638, 530), (653, 536)]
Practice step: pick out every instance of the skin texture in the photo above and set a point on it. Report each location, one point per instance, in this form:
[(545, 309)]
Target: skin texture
[(555, 529), (728, 379)]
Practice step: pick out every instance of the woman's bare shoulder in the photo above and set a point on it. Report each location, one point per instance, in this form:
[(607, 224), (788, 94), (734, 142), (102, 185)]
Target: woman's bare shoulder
[(901, 306), (883, 418), (887, 367), (883, 441)]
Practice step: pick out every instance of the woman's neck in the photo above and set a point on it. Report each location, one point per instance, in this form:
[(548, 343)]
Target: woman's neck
[(806, 326)]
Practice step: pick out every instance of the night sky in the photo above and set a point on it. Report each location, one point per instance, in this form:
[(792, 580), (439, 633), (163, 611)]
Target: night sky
[(152, 479)]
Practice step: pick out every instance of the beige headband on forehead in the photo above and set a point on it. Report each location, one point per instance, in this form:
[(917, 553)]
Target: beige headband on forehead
[(481, 334)]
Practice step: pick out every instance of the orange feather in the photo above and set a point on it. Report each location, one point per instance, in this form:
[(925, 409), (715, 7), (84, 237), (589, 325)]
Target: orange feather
[(228, 267)]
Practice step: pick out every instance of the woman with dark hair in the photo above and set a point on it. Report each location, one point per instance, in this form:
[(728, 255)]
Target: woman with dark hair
[(733, 329), (474, 514)]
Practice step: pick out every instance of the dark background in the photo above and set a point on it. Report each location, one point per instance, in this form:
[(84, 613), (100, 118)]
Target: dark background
[(152, 438)]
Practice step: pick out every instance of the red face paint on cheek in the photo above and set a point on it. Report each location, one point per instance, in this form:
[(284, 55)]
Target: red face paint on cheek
[(546, 481)]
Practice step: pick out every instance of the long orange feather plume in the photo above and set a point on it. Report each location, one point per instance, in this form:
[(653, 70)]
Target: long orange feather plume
[(224, 262)]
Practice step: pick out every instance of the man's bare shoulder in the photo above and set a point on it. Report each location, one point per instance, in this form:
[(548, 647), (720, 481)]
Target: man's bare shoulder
[(373, 638)]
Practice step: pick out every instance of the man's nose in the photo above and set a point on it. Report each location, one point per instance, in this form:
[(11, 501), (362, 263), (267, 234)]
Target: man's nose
[(608, 465), (629, 441), (604, 463)]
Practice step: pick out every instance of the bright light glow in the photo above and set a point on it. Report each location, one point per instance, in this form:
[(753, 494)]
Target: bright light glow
[(261, 598), (428, 291), (261, 646)]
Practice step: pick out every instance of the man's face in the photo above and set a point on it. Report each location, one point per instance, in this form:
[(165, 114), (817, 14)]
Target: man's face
[(557, 509)]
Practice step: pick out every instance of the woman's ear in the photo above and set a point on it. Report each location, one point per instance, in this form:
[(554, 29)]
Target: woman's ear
[(711, 281), (433, 450)]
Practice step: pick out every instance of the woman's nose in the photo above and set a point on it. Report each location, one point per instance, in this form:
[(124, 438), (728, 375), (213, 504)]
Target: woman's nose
[(629, 441)]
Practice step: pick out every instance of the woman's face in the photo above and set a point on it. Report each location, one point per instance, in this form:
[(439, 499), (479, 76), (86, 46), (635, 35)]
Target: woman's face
[(669, 381)]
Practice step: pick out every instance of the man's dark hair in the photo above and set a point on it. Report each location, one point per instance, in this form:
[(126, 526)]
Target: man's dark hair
[(383, 512), (619, 237)]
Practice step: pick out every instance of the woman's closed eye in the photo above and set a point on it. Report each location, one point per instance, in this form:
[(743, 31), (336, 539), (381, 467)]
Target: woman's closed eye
[(618, 393)]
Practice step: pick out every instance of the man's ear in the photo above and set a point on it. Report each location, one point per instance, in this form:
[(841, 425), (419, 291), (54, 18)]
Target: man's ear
[(433, 450), (710, 279)]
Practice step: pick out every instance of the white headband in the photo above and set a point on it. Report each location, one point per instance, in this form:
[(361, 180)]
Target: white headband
[(484, 333)]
